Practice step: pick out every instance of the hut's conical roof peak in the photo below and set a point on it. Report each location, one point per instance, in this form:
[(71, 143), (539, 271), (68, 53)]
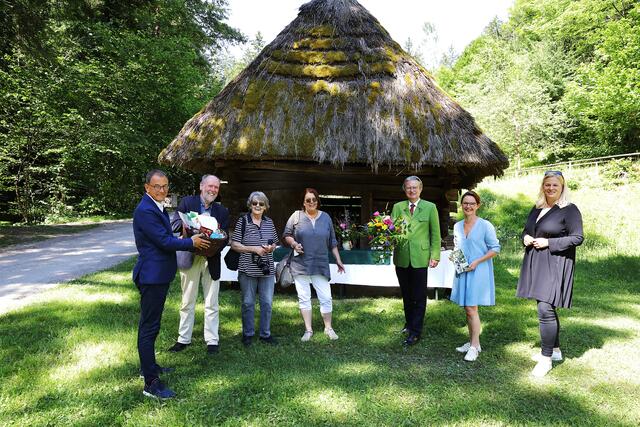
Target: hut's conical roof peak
[(340, 13), (334, 87)]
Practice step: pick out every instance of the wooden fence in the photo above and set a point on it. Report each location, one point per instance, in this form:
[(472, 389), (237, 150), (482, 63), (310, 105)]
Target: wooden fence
[(569, 166)]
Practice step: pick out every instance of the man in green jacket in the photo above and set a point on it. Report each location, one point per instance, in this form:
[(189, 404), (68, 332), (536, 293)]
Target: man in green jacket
[(413, 255)]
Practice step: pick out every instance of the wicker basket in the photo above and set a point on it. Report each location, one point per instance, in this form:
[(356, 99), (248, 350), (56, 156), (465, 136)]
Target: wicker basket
[(216, 246)]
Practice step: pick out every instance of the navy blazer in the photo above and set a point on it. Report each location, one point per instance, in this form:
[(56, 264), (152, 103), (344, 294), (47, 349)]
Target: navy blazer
[(156, 244), (216, 210)]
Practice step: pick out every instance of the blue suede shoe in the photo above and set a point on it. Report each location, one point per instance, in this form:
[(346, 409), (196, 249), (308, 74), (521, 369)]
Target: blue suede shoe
[(158, 390)]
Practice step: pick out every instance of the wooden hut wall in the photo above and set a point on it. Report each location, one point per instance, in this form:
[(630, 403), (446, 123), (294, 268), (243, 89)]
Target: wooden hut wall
[(284, 183)]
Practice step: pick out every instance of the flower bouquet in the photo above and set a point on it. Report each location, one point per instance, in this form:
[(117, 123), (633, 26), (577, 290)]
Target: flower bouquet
[(347, 232), (384, 234)]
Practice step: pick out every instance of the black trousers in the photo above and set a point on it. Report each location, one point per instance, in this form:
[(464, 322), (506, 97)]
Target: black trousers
[(152, 299), (549, 328), (413, 286)]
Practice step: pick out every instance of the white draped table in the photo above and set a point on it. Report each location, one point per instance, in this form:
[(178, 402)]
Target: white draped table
[(372, 274)]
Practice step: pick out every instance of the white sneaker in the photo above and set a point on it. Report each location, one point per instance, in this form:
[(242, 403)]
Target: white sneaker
[(307, 336), (331, 334), (556, 356), (472, 354), (542, 367), (465, 347)]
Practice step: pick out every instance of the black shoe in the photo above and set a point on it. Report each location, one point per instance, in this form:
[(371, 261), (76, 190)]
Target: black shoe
[(404, 330), (160, 370), (178, 346), (158, 390), (213, 348), (269, 340), (411, 340), (247, 340)]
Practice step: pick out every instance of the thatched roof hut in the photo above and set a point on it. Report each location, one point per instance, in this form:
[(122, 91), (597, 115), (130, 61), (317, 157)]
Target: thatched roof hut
[(335, 91)]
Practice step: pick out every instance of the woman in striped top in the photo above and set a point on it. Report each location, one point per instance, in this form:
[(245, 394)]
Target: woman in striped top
[(256, 272)]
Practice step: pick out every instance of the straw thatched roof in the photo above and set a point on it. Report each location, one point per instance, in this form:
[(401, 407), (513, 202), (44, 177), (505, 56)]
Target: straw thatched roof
[(334, 87)]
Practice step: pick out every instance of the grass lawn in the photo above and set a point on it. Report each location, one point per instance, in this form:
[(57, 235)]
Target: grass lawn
[(71, 359)]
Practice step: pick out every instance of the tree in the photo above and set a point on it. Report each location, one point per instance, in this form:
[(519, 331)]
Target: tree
[(559, 79), (110, 85)]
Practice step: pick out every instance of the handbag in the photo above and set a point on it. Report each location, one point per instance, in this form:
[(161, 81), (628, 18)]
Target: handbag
[(284, 276), (232, 258)]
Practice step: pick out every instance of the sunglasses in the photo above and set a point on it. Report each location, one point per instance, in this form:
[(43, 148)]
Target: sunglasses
[(257, 204), (310, 200), (553, 173)]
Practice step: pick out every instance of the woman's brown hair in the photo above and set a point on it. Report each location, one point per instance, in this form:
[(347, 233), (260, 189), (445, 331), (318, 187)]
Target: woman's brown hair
[(312, 191), (472, 194)]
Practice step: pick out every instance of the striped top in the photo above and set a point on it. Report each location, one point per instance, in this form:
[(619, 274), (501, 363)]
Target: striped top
[(255, 236)]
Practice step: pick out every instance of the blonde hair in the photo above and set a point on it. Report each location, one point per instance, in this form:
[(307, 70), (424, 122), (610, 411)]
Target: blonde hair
[(562, 201)]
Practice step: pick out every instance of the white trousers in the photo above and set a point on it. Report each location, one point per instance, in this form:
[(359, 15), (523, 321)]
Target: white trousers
[(190, 282), (322, 287)]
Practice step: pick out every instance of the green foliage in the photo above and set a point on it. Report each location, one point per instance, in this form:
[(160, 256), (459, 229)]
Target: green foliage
[(228, 66), (620, 172), (560, 79), (88, 104)]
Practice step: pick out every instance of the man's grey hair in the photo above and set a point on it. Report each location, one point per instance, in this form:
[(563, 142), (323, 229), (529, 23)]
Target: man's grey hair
[(258, 196), (207, 176), (152, 173), (411, 178)]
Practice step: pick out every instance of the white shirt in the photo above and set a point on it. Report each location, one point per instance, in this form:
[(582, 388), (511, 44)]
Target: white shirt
[(158, 204)]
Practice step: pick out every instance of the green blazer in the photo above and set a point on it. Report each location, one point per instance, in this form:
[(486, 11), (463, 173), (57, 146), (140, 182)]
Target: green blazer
[(423, 242)]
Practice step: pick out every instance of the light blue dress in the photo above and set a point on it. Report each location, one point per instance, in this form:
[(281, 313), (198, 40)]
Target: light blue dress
[(475, 287)]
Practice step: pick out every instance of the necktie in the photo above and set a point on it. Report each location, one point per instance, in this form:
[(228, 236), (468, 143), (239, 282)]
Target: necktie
[(412, 207)]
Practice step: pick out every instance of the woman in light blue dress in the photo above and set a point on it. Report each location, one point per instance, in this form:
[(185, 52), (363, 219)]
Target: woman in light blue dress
[(477, 239)]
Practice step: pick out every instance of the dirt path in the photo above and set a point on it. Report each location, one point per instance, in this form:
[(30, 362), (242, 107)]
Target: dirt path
[(26, 270)]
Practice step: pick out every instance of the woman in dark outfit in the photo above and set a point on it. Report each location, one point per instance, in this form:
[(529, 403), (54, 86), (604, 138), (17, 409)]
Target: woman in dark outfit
[(550, 236)]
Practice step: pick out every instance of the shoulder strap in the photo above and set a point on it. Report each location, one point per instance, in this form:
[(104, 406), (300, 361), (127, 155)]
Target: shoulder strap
[(244, 226)]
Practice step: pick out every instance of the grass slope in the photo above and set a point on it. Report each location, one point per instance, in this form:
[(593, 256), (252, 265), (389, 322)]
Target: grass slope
[(71, 359)]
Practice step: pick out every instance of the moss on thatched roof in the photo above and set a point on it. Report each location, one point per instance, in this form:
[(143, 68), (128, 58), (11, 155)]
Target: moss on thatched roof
[(334, 87)]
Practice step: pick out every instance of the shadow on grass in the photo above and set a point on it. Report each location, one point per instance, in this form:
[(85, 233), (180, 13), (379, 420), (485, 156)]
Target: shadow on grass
[(75, 362)]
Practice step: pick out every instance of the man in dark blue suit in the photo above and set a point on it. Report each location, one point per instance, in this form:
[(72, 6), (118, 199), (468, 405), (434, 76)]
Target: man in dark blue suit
[(197, 269), (155, 269)]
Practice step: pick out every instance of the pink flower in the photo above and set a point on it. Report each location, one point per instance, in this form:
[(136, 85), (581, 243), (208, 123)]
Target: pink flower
[(387, 220), (343, 225), (376, 213)]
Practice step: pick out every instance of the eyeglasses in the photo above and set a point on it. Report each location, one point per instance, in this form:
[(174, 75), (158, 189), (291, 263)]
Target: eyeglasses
[(553, 173), (257, 204), (159, 187), (311, 200), (469, 203)]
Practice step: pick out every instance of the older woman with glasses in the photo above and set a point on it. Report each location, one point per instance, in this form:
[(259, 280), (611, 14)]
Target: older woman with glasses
[(310, 233), (551, 235), (256, 272)]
